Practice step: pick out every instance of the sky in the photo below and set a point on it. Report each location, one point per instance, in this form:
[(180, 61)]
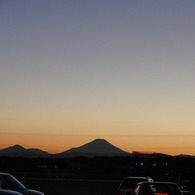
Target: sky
[(73, 71)]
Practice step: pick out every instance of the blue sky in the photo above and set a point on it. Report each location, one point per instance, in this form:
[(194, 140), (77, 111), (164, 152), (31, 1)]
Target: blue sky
[(102, 68)]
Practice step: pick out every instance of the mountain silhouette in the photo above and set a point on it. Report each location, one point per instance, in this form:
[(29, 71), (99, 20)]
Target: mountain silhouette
[(98, 147), (19, 151)]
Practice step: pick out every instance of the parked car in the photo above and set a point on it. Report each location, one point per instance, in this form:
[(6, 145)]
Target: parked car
[(129, 183), (157, 188), (10, 185)]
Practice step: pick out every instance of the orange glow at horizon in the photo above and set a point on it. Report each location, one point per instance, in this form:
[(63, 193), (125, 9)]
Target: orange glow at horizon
[(56, 143), (59, 136)]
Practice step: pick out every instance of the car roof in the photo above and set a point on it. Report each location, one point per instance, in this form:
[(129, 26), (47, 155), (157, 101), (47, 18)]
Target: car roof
[(157, 182), (137, 177), (2, 173)]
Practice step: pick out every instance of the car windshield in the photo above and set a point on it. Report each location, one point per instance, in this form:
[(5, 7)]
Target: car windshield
[(11, 183), (160, 189), (131, 182)]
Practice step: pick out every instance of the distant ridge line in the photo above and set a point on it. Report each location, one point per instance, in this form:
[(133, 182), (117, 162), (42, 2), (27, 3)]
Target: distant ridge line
[(95, 148)]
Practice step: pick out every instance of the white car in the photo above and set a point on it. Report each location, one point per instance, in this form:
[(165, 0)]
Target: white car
[(129, 183), (9, 185), (157, 188)]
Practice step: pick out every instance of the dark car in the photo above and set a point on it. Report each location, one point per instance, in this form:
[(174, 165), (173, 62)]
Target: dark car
[(129, 183), (10, 185), (157, 188), (9, 192)]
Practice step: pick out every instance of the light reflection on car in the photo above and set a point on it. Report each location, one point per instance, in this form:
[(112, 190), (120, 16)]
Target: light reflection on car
[(9, 192), (10, 183)]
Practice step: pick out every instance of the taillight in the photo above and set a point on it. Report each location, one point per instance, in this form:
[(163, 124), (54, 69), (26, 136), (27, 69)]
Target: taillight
[(161, 194)]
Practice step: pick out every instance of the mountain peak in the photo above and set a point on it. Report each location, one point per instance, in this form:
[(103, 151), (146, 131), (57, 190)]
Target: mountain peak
[(18, 150), (12, 150), (98, 147), (99, 141), (15, 148)]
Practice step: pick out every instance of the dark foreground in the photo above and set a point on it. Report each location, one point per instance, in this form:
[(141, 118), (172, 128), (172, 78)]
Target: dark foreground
[(97, 176)]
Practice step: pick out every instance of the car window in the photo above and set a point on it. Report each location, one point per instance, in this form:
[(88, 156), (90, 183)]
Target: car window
[(11, 183)]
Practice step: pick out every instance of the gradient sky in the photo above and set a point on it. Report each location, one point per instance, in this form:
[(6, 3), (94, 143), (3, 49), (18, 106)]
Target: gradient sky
[(72, 71)]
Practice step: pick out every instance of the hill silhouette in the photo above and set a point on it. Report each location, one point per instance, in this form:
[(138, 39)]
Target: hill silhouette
[(95, 148), (98, 147), (19, 151)]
